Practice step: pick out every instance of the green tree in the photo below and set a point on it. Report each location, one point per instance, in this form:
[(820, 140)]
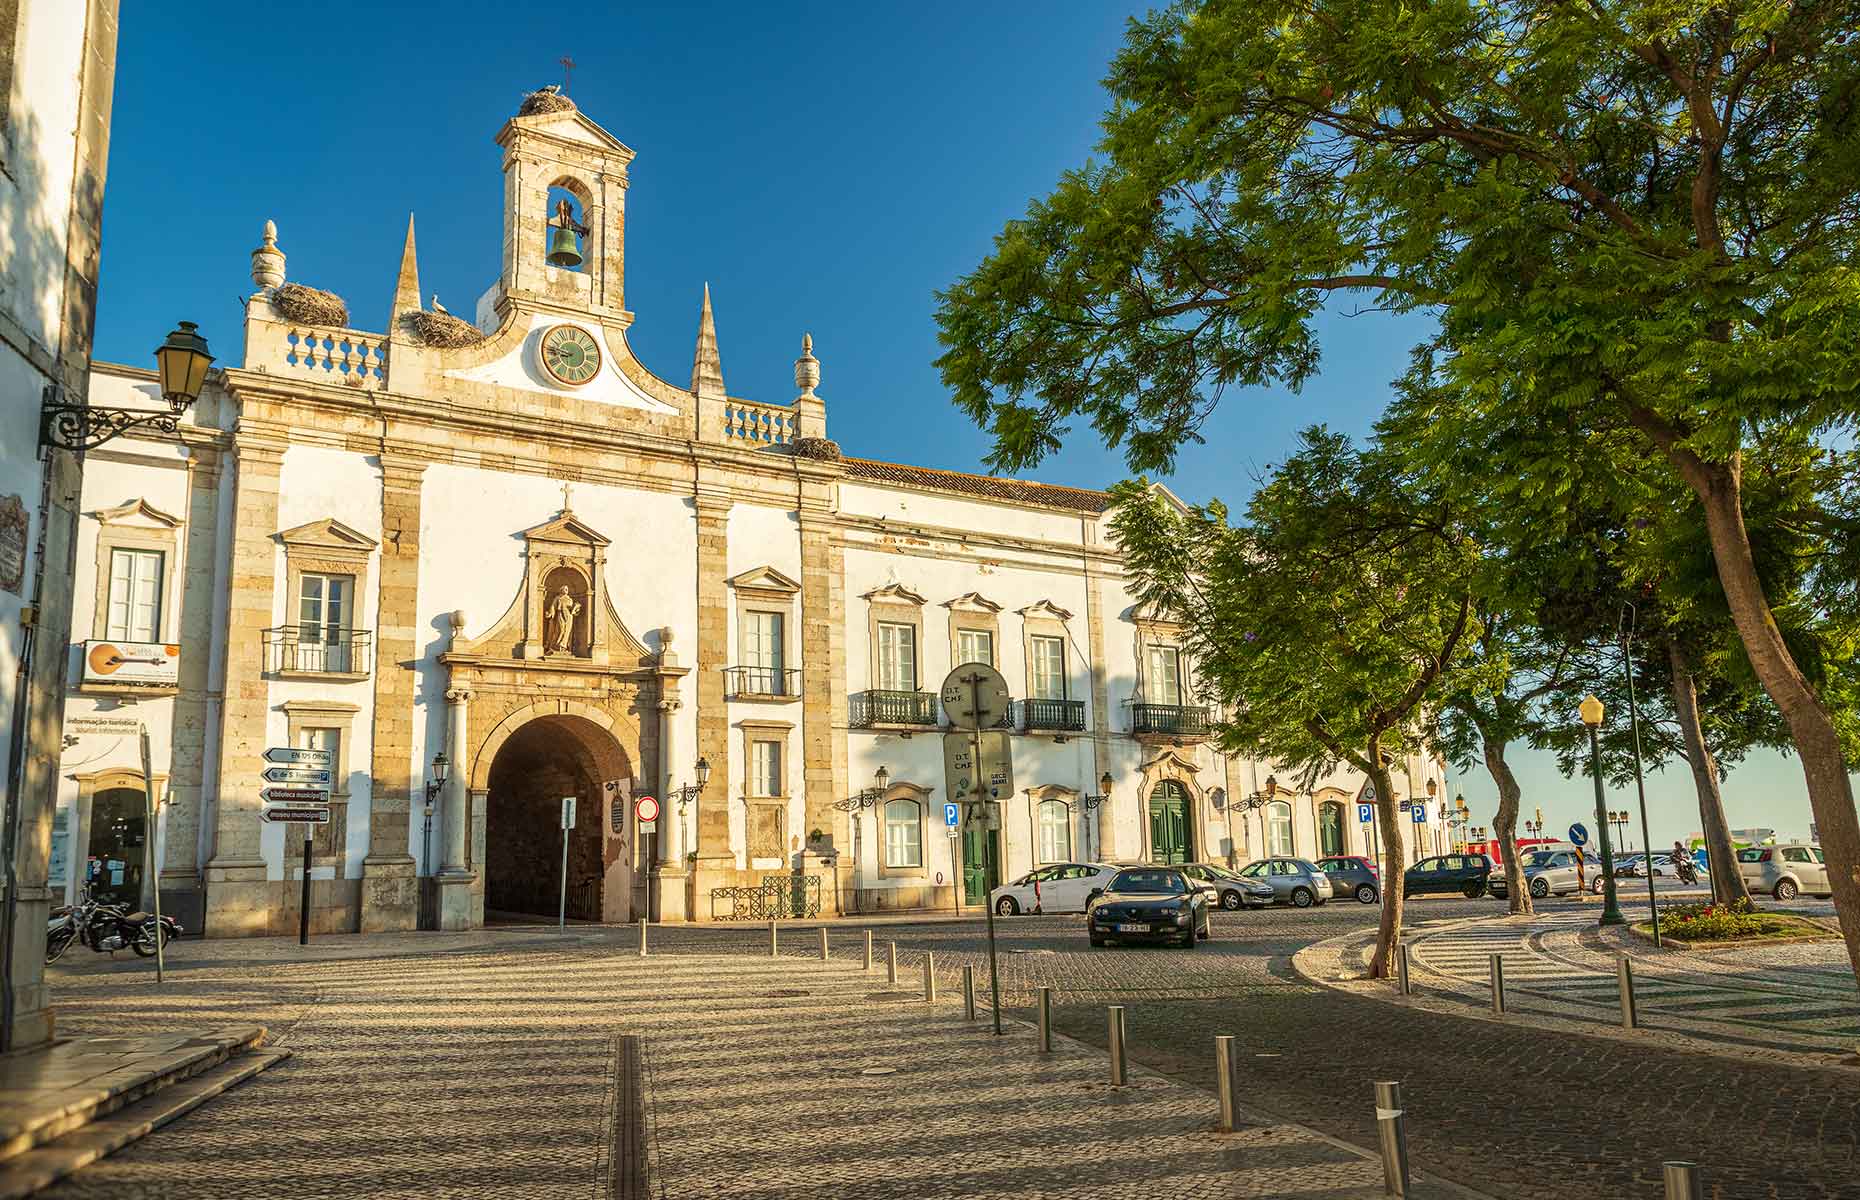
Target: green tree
[(1628, 218), (1325, 626)]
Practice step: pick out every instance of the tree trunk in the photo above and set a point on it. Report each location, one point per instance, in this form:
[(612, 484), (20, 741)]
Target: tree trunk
[(1395, 860), (1510, 796), (1824, 768), (1727, 884)]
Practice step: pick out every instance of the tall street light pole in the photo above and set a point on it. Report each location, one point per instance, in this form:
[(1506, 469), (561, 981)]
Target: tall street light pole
[(1646, 835), (1591, 711)]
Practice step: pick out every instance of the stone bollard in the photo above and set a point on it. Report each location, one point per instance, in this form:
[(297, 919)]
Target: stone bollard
[(642, 937), (929, 977), (1401, 969), (1682, 1181), (772, 950), (868, 951), (823, 943), (1498, 984), (1046, 1020), (891, 966), (1624, 978), (968, 991)]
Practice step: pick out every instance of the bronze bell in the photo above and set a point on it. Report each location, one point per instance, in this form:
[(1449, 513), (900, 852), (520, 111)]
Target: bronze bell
[(564, 247)]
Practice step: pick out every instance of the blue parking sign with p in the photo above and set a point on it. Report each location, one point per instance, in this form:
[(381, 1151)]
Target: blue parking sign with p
[(1420, 814), (952, 814), (1365, 813)]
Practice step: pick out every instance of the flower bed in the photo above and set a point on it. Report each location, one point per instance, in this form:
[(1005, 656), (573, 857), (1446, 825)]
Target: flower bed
[(1738, 921)]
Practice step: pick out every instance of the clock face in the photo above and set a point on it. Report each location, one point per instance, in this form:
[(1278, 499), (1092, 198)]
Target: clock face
[(571, 354)]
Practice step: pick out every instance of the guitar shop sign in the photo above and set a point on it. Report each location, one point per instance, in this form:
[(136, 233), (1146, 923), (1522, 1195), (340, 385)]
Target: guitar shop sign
[(133, 664)]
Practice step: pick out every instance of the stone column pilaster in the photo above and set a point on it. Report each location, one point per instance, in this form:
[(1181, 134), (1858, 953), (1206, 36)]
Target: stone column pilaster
[(455, 875), (823, 676), (238, 897), (1105, 832), (390, 892), (671, 820), (180, 870), (713, 721)]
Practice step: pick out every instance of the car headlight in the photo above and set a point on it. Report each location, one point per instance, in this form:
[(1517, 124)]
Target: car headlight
[(1170, 910)]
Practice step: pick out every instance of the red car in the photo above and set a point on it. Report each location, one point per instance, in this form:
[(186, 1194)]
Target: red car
[(1352, 875)]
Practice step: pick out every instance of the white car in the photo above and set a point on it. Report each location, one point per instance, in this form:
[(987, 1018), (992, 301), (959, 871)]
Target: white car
[(1065, 887), (1785, 870)]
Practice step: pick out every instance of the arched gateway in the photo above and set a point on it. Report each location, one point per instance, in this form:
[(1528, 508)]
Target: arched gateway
[(557, 698)]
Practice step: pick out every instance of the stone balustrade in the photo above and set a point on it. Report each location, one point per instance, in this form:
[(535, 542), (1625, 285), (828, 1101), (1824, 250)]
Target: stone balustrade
[(333, 355), (766, 424)]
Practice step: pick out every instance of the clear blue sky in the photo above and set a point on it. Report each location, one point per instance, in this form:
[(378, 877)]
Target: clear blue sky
[(825, 167)]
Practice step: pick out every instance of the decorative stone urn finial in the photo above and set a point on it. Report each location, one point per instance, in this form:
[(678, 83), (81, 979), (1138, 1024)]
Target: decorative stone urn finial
[(807, 367), (667, 657), (457, 621), (268, 260)]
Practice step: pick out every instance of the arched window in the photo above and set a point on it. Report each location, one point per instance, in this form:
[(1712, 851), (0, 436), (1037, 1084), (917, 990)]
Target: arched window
[(904, 846), (1055, 831), (1279, 829), (1330, 828)]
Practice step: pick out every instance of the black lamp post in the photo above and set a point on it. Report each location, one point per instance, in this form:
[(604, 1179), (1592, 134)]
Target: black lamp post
[(181, 364), (433, 787), (1591, 710), (689, 792), (1091, 800)]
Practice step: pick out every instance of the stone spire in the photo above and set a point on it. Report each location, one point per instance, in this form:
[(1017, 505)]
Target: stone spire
[(268, 260), (407, 287), (707, 365)]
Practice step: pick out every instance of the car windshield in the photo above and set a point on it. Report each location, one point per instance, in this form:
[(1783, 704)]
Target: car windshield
[(1163, 882)]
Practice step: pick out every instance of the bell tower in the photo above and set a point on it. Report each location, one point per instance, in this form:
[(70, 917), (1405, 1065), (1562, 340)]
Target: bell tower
[(565, 181)]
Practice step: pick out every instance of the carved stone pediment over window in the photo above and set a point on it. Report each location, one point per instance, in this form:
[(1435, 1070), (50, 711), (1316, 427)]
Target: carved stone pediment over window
[(972, 602), (327, 545), (562, 612), (1044, 610), (764, 580), (893, 593)]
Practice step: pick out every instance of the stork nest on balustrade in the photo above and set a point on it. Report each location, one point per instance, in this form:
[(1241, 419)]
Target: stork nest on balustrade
[(442, 329), (311, 306), (544, 102), (823, 449)]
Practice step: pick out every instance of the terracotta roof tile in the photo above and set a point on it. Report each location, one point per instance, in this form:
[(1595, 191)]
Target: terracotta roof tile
[(992, 487)]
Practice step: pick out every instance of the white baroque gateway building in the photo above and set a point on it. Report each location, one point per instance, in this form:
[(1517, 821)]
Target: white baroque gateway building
[(507, 542)]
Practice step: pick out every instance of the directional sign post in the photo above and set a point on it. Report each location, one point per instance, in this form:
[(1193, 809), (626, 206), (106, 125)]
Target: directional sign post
[(293, 795), (976, 698), (299, 814), (297, 756), (300, 775), (568, 823)]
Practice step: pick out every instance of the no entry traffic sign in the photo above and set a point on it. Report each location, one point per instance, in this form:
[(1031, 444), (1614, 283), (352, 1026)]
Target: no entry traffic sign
[(646, 808)]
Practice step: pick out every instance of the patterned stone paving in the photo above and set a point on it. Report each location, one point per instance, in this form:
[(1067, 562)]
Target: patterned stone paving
[(485, 1073)]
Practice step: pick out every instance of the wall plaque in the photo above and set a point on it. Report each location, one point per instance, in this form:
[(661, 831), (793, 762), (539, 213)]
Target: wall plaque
[(13, 526)]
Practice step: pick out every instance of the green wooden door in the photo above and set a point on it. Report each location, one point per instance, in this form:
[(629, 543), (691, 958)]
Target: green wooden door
[(1170, 841), (981, 874)]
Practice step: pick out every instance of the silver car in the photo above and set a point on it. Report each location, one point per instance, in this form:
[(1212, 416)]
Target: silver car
[(1293, 880), (1549, 872), (1785, 870)]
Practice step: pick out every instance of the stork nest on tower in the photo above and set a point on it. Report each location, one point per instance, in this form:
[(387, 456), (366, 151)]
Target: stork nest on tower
[(442, 329), (311, 306), (545, 100)]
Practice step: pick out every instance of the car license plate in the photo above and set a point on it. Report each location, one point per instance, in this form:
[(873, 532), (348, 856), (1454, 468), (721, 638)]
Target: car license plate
[(1133, 929)]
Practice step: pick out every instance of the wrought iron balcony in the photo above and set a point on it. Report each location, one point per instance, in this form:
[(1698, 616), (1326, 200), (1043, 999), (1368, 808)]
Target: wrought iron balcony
[(866, 710), (762, 682), (294, 649), (1054, 716), (1169, 720)]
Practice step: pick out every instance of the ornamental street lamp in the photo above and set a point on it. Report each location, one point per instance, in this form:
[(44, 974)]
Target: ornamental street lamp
[(181, 365), (1091, 800), (433, 787), (1591, 712), (689, 792), (855, 804)]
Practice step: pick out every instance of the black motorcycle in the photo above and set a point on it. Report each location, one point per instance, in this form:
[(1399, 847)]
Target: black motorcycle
[(106, 928)]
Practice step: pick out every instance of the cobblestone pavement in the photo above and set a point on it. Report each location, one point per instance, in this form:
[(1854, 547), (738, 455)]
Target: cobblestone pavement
[(424, 1075), (1506, 1108), (487, 1073), (1799, 997)]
